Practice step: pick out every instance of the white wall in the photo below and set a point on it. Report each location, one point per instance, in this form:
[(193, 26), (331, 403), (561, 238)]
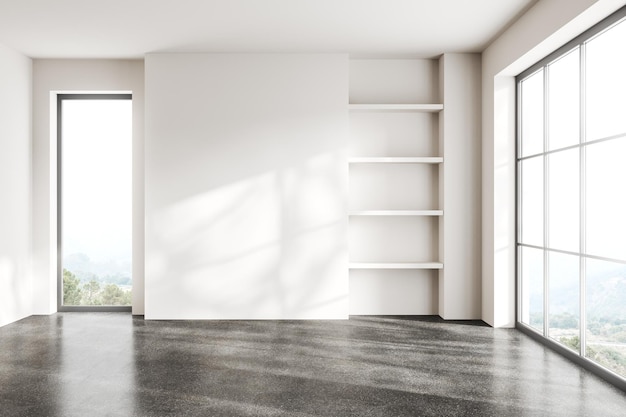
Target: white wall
[(246, 186), (78, 76), (545, 27), (460, 193), (15, 186)]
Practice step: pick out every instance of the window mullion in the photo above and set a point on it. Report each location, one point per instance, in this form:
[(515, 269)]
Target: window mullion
[(546, 208), (518, 204), (582, 209)]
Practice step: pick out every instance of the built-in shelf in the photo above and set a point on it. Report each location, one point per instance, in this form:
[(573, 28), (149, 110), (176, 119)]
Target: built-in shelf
[(410, 265), (397, 213), (396, 160), (396, 107), (395, 167)]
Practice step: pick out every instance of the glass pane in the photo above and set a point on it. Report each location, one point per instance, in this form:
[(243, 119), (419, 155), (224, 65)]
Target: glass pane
[(532, 115), (606, 83), (606, 314), (532, 201), (564, 299), (563, 198), (563, 101), (606, 199), (96, 202), (532, 287)]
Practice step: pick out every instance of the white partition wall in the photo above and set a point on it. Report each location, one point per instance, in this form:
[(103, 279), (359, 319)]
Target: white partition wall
[(460, 195), (246, 186), (15, 185)]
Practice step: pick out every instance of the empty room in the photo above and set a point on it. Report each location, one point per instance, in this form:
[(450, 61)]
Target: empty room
[(312, 208)]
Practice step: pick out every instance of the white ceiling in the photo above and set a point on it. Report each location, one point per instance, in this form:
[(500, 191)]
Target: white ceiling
[(131, 28)]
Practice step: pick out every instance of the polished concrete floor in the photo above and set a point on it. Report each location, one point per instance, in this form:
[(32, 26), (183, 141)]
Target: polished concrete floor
[(110, 364)]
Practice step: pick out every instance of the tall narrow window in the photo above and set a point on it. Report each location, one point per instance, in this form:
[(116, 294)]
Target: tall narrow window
[(95, 201), (571, 164)]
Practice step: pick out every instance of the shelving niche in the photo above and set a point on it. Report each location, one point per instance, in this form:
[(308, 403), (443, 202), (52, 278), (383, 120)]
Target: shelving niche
[(394, 166)]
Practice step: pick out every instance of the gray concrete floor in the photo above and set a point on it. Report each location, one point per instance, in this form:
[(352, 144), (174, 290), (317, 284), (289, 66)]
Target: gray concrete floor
[(110, 364)]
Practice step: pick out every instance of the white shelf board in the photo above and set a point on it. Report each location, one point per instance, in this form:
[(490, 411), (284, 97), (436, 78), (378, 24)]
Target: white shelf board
[(397, 213), (406, 265), (396, 160), (396, 107)]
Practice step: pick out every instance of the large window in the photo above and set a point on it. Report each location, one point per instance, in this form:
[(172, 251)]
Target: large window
[(95, 201), (571, 164)]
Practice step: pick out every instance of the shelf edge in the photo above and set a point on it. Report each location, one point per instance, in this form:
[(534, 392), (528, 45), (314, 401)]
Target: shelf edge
[(408, 265), (428, 107), (396, 160), (392, 213)]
